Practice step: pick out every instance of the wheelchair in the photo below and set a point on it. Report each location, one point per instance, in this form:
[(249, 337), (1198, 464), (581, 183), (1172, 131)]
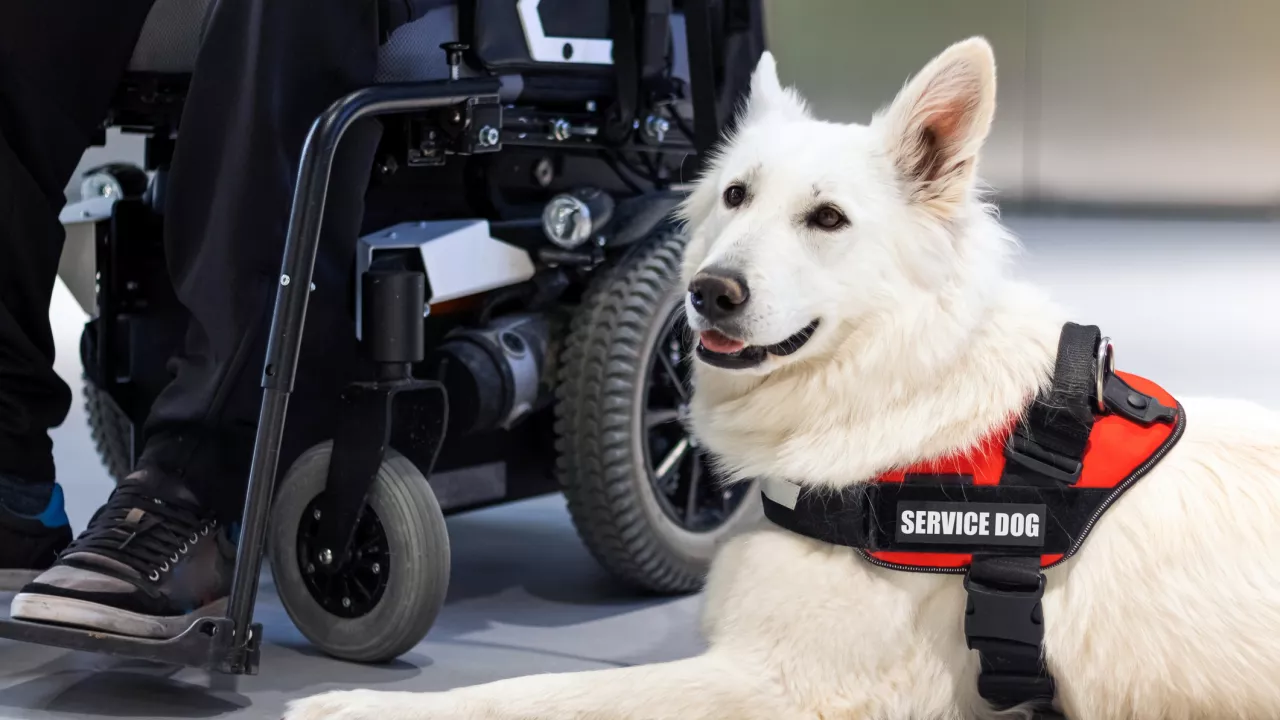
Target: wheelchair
[(527, 338)]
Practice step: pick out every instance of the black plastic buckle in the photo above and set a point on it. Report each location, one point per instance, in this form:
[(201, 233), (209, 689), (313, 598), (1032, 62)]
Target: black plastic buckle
[(1028, 455), (1123, 400), (1006, 627), (1003, 615), (1006, 691)]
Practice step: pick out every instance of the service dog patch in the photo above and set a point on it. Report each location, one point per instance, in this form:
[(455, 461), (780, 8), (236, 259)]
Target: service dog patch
[(961, 523)]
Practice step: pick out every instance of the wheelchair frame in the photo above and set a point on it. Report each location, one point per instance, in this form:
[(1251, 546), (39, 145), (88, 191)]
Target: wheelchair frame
[(231, 644)]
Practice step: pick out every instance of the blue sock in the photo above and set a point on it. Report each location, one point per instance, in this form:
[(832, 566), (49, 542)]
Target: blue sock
[(24, 498)]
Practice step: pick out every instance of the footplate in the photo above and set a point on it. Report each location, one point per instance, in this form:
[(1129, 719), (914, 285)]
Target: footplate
[(209, 643)]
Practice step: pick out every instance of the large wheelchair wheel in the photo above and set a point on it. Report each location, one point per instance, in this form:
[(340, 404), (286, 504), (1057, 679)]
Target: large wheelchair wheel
[(641, 491), (386, 599)]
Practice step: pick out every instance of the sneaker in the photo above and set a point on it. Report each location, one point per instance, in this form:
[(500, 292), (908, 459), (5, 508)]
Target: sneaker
[(29, 544), (150, 564)]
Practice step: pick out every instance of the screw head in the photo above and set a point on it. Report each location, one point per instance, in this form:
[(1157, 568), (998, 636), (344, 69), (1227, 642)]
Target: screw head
[(311, 568), (543, 172), (326, 556), (285, 280), (316, 513), (376, 568), (488, 136), (346, 602), (656, 128)]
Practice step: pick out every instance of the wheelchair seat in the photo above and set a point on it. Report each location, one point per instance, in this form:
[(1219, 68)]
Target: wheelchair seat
[(171, 37)]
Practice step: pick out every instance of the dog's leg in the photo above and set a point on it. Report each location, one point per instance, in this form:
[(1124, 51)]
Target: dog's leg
[(702, 688)]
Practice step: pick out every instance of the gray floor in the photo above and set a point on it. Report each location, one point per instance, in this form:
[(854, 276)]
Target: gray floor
[(1191, 304)]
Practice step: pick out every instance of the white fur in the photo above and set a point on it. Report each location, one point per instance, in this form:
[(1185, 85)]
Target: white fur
[(1172, 608)]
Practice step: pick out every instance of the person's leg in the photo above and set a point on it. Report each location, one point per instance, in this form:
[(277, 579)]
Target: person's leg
[(60, 62), (266, 70), (274, 65)]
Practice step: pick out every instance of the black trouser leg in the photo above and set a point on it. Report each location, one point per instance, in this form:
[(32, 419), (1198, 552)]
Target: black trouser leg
[(60, 62), (266, 70)]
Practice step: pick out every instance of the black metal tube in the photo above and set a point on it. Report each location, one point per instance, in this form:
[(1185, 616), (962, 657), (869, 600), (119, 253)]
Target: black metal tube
[(702, 77), (289, 316)]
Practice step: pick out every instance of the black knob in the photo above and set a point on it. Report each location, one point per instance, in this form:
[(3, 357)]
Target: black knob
[(453, 55), (453, 52)]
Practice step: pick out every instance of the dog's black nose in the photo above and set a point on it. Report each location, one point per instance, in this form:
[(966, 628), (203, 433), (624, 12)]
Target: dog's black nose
[(718, 295)]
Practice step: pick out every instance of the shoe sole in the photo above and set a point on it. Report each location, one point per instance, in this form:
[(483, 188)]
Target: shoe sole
[(15, 580), (55, 610)]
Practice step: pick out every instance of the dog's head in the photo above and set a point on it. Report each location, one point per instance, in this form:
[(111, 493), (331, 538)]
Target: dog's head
[(804, 232)]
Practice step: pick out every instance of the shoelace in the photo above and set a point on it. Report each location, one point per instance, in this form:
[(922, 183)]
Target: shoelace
[(147, 533)]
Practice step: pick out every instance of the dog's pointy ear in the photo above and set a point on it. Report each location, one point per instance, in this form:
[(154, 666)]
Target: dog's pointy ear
[(768, 97), (937, 124)]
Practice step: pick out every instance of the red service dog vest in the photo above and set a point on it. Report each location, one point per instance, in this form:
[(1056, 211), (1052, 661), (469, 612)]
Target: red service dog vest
[(1023, 501)]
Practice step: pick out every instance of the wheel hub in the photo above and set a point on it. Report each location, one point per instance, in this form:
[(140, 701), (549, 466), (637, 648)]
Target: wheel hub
[(354, 588), (679, 471)]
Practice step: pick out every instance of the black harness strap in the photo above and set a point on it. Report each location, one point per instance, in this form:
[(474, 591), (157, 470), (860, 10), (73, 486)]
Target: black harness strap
[(1003, 619), (1048, 446)]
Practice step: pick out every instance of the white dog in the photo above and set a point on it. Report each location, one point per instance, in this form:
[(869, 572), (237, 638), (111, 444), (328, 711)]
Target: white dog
[(922, 346)]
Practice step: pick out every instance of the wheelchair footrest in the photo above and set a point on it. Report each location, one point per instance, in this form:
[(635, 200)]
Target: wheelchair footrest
[(209, 643)]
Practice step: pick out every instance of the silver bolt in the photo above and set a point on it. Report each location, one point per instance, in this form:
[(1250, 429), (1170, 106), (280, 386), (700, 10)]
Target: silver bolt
[(376, 568), (426, 310), (313, 287), (488, 136), (543, 172), (316, 513), (346, 602), (284, 280), (310, 568), (560, 129), (600, 241), (326, 556), (656, 128), (591, 106)]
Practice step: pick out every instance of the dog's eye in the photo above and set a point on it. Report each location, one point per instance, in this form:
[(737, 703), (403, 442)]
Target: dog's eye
[(827, 218), (734, 195)]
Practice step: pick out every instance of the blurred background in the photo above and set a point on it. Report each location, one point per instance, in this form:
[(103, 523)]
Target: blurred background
[(1136, 152), (1170, 104)]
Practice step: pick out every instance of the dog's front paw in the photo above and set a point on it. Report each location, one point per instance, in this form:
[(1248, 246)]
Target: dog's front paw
[(346, 705)]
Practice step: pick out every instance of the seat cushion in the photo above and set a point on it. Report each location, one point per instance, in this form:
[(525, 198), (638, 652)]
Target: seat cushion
[(171, 37)]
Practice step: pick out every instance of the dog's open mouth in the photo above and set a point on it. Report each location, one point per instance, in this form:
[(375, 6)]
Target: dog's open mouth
[(719, 350)]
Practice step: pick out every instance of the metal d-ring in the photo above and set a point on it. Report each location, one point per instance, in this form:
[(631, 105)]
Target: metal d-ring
[(1106, 365)]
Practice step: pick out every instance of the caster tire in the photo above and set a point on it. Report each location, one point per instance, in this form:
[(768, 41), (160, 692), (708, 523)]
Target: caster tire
[(111, 430), (640, 491), (384, 603)]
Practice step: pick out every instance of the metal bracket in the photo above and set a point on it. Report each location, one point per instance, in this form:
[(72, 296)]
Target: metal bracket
[(209, 643), (359, 447)]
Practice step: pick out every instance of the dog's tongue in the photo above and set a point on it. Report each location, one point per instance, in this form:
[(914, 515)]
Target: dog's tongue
[(718, 342)]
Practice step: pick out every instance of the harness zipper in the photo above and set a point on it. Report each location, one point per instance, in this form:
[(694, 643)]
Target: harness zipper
[(1178, 427)]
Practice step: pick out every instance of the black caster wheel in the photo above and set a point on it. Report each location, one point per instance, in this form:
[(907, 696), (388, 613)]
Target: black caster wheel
[(642, 493), (386, 599)]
